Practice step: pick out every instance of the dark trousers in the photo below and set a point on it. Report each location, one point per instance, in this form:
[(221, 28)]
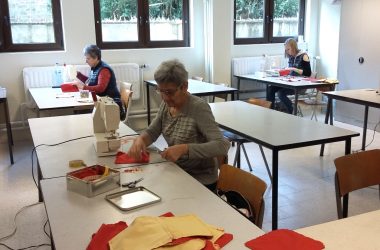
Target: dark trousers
[(282, 94)]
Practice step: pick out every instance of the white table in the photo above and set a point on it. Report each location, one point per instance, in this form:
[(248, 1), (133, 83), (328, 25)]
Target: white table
[(294, 83), (353, 233), (74, 218), (276, 131), (366, 97), (53, 98), (53, 161), (195, 87)]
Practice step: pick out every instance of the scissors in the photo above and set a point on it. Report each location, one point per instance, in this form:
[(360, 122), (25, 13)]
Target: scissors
[(132, 184)]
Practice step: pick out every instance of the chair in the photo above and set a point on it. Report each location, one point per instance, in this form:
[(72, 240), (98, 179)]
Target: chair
[(240, 140), (247, 184), (353, 172), (126, 97)]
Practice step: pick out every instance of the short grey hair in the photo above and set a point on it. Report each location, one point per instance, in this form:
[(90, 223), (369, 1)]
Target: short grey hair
[(93, 51), (171, 71)]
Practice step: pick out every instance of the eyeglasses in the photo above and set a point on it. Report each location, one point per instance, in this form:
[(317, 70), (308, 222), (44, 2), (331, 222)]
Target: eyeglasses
[(168, 92)]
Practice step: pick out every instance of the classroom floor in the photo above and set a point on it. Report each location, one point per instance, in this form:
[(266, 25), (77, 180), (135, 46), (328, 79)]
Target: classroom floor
[(306, 187)]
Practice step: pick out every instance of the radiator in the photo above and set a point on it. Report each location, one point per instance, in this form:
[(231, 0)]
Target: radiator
[(249, 65), (37, 77)]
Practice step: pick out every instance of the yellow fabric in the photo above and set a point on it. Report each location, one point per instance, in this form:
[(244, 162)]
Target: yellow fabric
[(216, 232), (185, 226), (144, 233), (194, 244)]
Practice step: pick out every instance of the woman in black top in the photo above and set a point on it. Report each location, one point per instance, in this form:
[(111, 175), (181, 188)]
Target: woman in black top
[(299, 65)]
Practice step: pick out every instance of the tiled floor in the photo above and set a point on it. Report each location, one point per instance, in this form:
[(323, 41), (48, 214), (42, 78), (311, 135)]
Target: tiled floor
[(306, 188)]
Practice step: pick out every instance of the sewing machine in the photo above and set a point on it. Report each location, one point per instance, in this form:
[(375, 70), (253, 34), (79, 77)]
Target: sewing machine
[(106, 119)]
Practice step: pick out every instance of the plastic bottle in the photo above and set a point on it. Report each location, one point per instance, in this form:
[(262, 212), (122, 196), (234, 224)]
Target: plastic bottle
[(57, 75)]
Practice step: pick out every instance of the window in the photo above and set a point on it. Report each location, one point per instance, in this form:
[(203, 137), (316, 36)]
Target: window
[(30, 25), (268, 21), (123, 24)]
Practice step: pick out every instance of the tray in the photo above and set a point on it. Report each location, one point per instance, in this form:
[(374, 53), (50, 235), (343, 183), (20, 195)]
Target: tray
[(132, 198)]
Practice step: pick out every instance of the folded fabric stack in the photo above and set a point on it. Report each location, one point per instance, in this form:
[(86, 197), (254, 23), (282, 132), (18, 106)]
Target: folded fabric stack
[(69, 87), (186, 232)]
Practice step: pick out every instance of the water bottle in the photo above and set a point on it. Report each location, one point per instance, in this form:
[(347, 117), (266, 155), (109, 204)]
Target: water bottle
[(57, 75)]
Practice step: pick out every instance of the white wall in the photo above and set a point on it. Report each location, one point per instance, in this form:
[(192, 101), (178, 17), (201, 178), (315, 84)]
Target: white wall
[(329, 26), (79, 30)]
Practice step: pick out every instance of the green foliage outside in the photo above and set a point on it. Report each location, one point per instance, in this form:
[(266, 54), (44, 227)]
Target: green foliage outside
[(127, 9), (253, 9)]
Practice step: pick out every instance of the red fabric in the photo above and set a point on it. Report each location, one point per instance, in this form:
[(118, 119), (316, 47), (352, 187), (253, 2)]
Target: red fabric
[(81, 77), (105, 233), (88, 171), (284, 72), (224, 239), (103, 80), (124, 158), (284, 239), (219, 243), (69, 87)]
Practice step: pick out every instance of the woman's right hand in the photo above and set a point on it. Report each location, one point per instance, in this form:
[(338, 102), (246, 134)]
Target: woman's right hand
[(137, 148)]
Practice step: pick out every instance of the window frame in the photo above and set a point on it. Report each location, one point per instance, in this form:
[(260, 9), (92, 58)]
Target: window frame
[(268, 26), (143, 29), (6, 44)]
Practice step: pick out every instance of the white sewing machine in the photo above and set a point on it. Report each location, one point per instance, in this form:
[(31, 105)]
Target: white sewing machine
[(106, 119)]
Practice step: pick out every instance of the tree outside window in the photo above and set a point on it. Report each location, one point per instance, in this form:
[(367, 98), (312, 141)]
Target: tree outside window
[(140, 24), (31, 25), (260, 21)]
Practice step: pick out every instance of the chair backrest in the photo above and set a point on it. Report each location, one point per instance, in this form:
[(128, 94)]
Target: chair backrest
[(250, 186), (260, 102), (126, 97), (359, 170)]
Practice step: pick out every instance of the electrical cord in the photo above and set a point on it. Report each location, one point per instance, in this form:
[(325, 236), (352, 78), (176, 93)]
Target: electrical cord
[(15, 230), (51, 145), (24, 248), (45, 229), (373, 138), (59, 143), (14, 220)]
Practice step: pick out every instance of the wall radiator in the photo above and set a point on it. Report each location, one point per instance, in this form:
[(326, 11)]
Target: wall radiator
[(37, 77), (249, 65)]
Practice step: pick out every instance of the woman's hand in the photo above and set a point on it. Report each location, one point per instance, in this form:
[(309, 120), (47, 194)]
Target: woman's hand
[(137, 148), (173, 153), (79, 84)]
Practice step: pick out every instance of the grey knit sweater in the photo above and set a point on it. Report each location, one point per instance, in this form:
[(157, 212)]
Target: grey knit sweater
[(194, 125)]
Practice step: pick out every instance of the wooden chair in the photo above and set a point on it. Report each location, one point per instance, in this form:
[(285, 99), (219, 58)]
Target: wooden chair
[(250, 186), (240, 140), (353, 172), (126, 97)]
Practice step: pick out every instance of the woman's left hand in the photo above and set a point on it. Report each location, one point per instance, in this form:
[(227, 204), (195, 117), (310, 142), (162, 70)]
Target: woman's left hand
[(79, 85), (173, 153)]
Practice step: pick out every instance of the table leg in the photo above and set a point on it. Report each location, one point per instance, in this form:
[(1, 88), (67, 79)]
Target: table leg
[(365, 127), (295, 102), (275, 190), (39, 177), (9, 130), (347, 149), (233, 96), (328, 111), (148, 102), (238, 89)]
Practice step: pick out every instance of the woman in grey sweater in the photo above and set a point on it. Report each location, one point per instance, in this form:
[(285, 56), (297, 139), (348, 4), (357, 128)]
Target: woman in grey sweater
[(187, 124)]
